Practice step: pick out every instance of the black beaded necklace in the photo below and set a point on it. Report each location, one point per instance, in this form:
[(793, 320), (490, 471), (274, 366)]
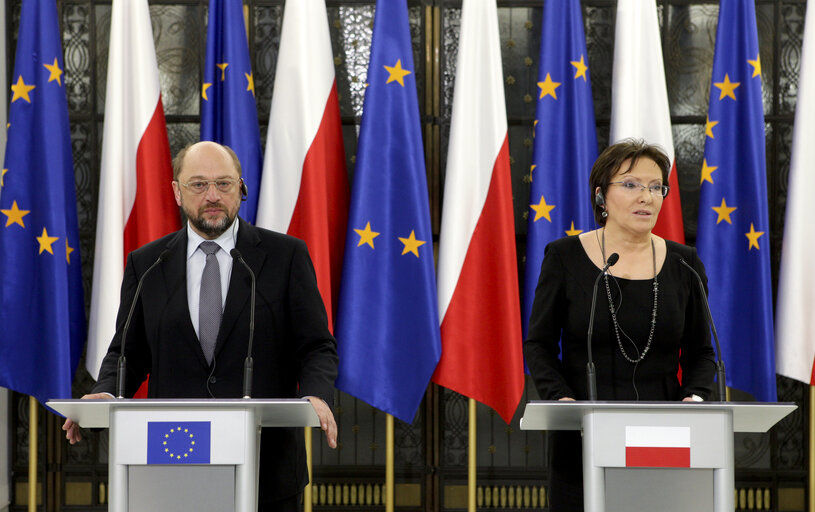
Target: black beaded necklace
[(613, 310)]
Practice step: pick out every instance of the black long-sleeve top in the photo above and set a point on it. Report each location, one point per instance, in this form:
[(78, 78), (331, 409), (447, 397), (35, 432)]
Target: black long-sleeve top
[(560, 317)]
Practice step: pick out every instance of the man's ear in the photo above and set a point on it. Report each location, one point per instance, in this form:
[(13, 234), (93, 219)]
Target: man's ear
[(177, 192)]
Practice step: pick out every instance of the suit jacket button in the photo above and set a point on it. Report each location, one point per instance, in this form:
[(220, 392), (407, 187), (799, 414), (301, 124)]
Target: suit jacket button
[(213, 380)]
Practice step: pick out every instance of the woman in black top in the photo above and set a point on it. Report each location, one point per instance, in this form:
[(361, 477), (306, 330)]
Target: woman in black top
[(649, 318)]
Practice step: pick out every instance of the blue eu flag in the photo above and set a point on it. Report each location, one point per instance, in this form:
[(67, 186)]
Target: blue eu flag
[(178, 442), (228, 111), (565, 140), (42, 310), (733, 232), (388, 325)]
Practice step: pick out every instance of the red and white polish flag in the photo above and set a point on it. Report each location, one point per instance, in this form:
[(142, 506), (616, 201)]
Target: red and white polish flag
[(639, 98), (304, 187), (479, 302), (657, 447), (136, 203)]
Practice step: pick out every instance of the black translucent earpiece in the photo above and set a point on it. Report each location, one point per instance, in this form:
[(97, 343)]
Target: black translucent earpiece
[(244, 190)]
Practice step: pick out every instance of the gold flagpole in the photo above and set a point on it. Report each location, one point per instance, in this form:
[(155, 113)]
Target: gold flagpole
[(246, 21), (811, 472), (389, 464), (471, 459), (307, 491), (32, 454)]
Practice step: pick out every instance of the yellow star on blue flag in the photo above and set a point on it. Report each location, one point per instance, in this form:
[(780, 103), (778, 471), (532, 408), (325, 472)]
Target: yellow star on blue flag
[(228, 110), (565, 143), (42, 308), (733, 205), (174, 442), (387, 326)]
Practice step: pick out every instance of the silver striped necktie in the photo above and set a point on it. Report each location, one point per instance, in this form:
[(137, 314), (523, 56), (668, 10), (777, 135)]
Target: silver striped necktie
[(210, 305)]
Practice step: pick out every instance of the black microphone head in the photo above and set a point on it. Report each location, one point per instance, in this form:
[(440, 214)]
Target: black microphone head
[(612, 259), (164, 254), (236, 254)]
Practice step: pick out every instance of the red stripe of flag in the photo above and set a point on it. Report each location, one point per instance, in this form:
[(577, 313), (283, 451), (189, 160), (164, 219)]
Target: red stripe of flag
[(481, 332), (321, 213), (657, 457), (669, 222), (155, 212)]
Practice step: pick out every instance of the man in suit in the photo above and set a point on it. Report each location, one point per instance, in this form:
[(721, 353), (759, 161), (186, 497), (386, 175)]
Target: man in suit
[(191, 338)]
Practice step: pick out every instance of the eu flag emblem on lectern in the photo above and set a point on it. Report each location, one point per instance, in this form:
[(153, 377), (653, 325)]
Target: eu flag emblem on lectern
[(178, 442)]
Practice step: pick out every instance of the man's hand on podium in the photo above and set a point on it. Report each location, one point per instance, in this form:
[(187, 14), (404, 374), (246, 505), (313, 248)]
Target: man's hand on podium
[(327, 422), (71, 428)]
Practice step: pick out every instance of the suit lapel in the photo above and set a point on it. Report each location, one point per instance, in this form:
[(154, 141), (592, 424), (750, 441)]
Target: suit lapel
[(175, 279), (240, 284)]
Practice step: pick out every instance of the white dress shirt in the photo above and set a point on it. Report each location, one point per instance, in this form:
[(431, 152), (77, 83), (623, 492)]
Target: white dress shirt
[(196, 260)]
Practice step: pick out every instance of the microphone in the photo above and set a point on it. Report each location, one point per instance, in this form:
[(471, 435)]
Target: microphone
[(591, 377), (248, 364), (720, 376), (122, 365)]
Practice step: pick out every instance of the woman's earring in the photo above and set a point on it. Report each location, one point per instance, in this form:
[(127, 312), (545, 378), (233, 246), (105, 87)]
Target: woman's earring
[(604, 214)]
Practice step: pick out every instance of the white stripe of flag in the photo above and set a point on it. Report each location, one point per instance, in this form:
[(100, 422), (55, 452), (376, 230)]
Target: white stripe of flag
[(669, 437), (657, 447)]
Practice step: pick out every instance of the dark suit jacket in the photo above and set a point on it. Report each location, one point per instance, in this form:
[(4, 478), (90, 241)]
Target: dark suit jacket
[(294, 352)]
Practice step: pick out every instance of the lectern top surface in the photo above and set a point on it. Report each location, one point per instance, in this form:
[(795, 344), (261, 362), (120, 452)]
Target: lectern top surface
[(556, 415), (271, 412)]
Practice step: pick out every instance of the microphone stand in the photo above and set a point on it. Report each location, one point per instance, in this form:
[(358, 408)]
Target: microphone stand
[(720, 375), (591, 376), (121, 367), (248, 364)]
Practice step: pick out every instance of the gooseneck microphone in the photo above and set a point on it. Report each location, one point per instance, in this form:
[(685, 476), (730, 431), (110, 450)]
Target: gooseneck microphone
[(720, 376), (121, 369), (248, 364), (591, 377)]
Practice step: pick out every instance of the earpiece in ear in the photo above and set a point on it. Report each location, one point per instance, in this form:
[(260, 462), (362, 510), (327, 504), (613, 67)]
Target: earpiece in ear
[(244, 190), (599, 199)]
